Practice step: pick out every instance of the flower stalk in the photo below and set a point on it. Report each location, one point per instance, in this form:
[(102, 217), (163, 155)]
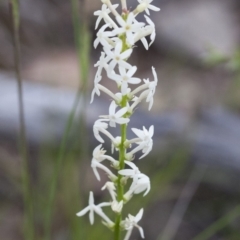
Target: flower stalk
[(118, 38)]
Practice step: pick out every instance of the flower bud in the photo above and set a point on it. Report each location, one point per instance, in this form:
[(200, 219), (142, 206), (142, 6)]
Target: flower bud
[(141, 7), (117, 206)]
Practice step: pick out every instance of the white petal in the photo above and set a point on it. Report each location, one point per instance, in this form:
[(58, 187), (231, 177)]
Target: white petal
[(122, 120), (126, 172), (134, 80), (91, 217), (83, 212), (112, 108), (147, 11), (118, 48), (126, 54), (96, 42), (144, 42), (91, 199), (141, 231), (124, 64), (132, 71), (151, 131), (138, 132), (128, 234), (121, 112), (122, 71), (130, 18), (139, 215), (131, 164), (121, 21), (96, 173)]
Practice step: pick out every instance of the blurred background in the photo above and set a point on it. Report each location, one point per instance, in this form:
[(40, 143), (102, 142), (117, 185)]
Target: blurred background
[(195, 163)]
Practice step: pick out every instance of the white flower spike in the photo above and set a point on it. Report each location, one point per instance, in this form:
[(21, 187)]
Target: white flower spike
[(117, 35)]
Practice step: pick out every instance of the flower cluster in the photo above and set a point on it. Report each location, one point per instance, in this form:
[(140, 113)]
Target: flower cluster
[(118, 35)]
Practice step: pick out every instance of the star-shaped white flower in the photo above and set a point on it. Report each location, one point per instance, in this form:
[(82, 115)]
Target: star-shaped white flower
[(116, 117), (132, 221), (125, 78), (117, 206), (151, 26), (91, 208), (101, 126), (95, 164), (129, 27), (96, 89), (145, 137), (151, 88), (102, 63), (118, 57), (99, 155), (103, 14), (133, 173), (103, 37), (141, 182), (145, 4), (111, 188), (144, 142)]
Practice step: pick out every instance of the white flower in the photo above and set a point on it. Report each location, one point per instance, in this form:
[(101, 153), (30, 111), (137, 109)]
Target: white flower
[(151, 26), (146, 139), (143, 39), (103, 14), (117, 206), (140, 185), (97, 209), (96, 164), (148, 94), (99, 126), (148, 30), (102, 63), (133, 173), (96, 90), (103, 36), (152, 88), (111, 188), (140, 182), (118, 57), (124, 78), (129, 27), (116, 117), (116, 143), (99, 155), (145, 5), (130, 222)]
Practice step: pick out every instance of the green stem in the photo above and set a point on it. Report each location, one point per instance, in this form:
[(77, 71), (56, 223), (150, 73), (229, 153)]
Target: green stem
[(28, 204), (120, 187)]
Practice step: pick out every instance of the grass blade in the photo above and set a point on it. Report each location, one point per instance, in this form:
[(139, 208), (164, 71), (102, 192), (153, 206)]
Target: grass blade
[(28, 204)]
